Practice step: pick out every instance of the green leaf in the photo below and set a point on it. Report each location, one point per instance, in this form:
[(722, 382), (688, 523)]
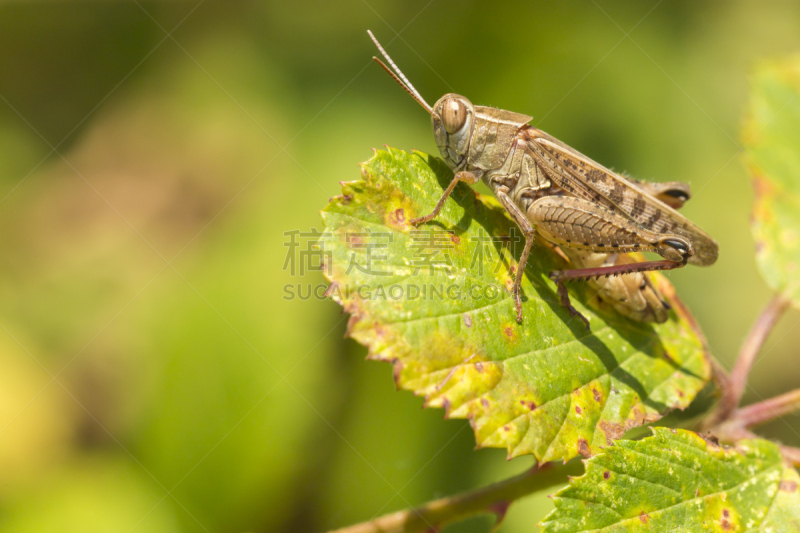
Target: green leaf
[(772, 138), (545, 387), (678, 481)]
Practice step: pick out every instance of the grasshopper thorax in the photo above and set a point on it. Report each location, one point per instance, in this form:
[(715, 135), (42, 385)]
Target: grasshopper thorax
[(452, 119)]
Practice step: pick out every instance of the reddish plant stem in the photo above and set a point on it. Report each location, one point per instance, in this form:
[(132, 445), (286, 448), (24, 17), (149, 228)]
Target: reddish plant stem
[(770, 409), (747, 356), (491, 499), (720, 376)]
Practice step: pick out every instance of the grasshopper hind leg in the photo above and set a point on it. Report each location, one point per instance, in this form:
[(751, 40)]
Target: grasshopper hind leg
[(632, 295), (616, 269), (563, 296), (582, 229)]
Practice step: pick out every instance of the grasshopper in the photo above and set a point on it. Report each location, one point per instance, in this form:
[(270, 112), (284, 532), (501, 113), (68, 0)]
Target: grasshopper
[(569, 200)]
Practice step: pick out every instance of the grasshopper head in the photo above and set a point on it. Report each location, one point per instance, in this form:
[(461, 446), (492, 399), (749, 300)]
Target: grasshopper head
[(452, 116), (452, 119)]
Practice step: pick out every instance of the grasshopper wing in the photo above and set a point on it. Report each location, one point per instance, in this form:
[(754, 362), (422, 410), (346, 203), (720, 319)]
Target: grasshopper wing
[(585, 178)]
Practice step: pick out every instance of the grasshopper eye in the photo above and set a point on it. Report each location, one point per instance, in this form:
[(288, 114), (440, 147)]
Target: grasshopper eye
[(454, 115)]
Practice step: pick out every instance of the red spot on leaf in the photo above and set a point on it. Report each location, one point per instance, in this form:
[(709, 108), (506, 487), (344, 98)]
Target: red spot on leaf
[(455, 239), (485, 403), (788, 486), (612, 430), (583, 448), (400, 215), (644, 518), (479, 367), (725, 523), (597, 396), (578, 409), (606, 474), (468, 321)]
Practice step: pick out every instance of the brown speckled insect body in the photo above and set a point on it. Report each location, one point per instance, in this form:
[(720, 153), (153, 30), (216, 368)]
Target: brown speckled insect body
[(595, 216)]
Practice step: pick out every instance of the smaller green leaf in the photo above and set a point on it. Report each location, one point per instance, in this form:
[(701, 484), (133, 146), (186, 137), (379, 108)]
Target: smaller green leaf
[(772, 137), (678, 481)]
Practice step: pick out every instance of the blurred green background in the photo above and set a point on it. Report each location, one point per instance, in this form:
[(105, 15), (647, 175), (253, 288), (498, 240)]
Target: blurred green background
[(153, 376)]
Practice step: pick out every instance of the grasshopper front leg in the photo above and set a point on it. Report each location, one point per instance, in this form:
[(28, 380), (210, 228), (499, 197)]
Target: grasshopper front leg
[(578, 224), (465, 176), (517, 214)]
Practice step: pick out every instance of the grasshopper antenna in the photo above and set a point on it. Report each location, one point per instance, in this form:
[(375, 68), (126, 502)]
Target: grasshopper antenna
[(399, 77)]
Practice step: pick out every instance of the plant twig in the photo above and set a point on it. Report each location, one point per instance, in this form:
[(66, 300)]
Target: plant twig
[(736, 426), (767, 410), (491, 499), (720, 376), (752, 345)]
